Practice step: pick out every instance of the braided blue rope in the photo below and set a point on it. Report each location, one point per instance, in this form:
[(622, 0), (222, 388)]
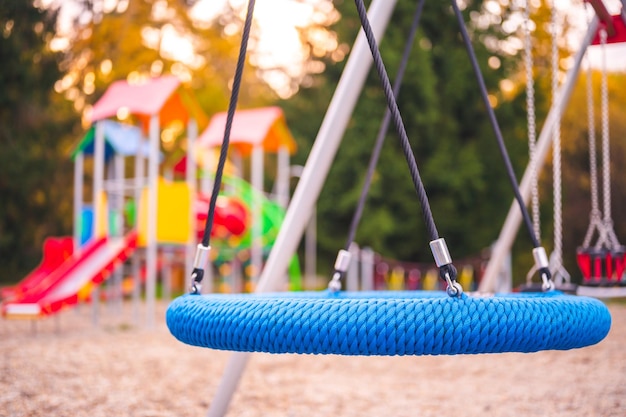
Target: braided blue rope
[(388, 323)]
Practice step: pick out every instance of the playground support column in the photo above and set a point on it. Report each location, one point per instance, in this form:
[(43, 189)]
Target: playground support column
[(79, 170), (98, 176), (310, 252), (151, 244), (167, 275), (308, 189), (310, 240), (207, 182), (191, 178), (367, 269), (282, 177), (118, 208), (352, 276), (98, 186), (514, 217), (257, 215), (139, 184), (235, 157)]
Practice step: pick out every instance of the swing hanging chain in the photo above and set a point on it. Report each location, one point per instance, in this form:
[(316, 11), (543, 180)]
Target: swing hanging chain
[(596, 220), (606, 152), (335, 284), (606, 167), (454, 290), (202, 251), (595, 217), (556, 258), (496, 128), (531, 119)]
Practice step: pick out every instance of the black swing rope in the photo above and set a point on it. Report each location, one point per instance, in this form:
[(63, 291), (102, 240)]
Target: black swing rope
[(431, 227), (539, 253), (447, 271), (380, 140), (203, 249)]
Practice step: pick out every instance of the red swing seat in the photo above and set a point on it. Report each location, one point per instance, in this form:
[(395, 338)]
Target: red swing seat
[(602, 267)]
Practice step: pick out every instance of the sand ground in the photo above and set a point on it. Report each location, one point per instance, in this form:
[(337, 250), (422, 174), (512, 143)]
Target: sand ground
[(69, 367)]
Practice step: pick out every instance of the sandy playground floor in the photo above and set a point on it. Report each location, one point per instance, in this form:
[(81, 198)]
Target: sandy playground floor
[(70, 368)]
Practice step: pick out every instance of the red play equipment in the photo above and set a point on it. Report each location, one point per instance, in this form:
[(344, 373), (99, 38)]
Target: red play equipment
[(67, 275), (72, 280), (230, 218), (615, 26), (55, 251), (601, 266)]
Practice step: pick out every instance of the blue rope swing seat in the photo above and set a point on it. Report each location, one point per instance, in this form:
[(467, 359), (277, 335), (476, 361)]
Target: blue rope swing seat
[(388, 323)]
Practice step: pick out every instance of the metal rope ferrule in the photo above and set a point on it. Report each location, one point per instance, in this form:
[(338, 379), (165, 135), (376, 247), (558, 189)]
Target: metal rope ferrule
[(200, 262), (342, 263), (447, 271), (542, 265)]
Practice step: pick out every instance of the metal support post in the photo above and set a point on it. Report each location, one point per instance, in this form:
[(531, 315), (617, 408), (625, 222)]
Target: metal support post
[(308, 189)]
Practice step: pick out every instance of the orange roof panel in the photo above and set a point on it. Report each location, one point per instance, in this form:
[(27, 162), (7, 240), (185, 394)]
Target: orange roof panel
[(264, 126), (155, 96)]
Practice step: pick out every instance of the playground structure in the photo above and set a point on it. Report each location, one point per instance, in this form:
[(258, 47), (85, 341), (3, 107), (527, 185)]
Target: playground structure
[(152, 220)]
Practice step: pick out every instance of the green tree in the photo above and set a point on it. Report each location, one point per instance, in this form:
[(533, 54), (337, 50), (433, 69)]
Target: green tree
[(36, 199), (150, 38), (447, 124)]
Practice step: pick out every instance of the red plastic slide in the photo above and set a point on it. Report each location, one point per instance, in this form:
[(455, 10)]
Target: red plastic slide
[(73, 280), (55, 251)]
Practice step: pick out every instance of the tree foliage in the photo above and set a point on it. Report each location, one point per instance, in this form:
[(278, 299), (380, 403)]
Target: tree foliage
[(141, 39), (451, 137), (447, 124), (34, 128)]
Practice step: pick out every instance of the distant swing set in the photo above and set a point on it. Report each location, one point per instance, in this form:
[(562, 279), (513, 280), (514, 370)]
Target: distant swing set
[(390, 322)]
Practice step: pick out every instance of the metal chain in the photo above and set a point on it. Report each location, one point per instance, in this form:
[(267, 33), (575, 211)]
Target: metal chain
[(556, 258), (606, 159), (595, 217), (531, 119)]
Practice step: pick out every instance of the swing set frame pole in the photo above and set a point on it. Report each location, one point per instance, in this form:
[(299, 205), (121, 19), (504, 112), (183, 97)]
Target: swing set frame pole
[(514, 217), (308, 189)]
